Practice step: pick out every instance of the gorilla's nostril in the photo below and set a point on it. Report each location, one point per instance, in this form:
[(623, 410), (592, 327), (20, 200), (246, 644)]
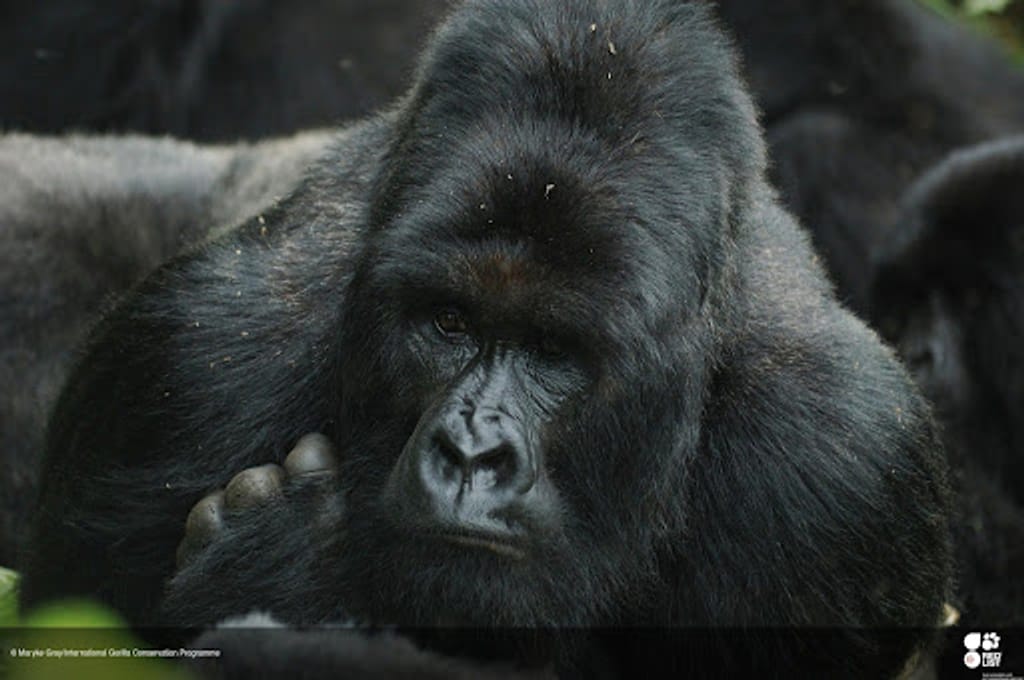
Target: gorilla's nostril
[(449, 460), (497, 465)]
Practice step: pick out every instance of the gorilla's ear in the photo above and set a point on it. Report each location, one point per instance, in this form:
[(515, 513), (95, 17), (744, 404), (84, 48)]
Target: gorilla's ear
[(963, 216)]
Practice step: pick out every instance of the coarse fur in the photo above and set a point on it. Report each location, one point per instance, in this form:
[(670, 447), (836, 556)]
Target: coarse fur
[(81, 220), (950, 295), (729, 446), (876, 113), (859, 98)]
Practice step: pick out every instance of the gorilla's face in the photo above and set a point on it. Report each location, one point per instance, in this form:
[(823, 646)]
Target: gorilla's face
[(494, 375), (927, 331), (528, 335), (514, 375)]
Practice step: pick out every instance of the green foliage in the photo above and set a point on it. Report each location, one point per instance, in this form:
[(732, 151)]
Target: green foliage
[(968, 7), (974, 7), (73, 639), (1002, 20), (8, 598)]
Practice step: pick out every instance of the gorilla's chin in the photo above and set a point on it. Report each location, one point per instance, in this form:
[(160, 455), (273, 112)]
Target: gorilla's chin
[(409, 578)]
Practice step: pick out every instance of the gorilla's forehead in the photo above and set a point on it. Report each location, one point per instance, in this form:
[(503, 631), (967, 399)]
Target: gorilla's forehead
[(502, 270), (566, 177), (560, 216), (580, 272)]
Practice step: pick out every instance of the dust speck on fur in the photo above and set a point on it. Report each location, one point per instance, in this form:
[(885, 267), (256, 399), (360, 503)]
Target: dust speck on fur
[(548, 189), (611, 48)]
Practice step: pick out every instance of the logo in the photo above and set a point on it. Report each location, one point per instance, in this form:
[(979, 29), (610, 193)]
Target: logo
[(990, 641), (988, 657)]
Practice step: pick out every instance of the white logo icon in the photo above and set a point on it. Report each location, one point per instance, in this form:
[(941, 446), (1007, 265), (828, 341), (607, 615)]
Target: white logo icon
[(988, 644)]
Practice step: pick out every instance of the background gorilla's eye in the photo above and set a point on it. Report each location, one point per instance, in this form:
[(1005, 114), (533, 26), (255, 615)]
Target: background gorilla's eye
[(451, 322)]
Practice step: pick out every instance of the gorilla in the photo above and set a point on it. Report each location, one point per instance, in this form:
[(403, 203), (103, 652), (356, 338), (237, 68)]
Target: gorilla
[(82, 219), (575, 367), (860, 97), (949, 293)]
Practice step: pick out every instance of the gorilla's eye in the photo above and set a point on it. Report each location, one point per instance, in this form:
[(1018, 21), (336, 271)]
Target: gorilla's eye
[(451, 323)]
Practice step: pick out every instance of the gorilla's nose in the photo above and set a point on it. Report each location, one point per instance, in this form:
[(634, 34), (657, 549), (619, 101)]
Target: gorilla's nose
[(475, 464)]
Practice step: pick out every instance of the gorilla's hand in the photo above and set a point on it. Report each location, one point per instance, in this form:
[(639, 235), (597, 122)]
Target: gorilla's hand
[(313, 456), (251, 527)]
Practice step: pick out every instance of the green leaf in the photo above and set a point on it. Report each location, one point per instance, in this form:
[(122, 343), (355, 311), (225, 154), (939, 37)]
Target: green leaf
[(82, 640), (8, 597), (975, 7)]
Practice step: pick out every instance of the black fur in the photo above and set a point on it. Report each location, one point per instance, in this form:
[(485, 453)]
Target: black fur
[(203, 69), (741, 452), (859, 97), (863, 101), (950, 294), (82, 219)]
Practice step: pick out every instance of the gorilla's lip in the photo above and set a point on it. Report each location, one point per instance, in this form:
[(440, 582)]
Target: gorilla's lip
[(505, 546)]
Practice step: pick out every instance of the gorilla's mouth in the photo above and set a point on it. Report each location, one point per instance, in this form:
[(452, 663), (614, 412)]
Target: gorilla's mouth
[(500, 545)]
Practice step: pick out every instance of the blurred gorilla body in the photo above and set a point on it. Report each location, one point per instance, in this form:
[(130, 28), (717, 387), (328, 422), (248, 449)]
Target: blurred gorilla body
[(581, 368), (859, 98), (211, 70), (950, 295)]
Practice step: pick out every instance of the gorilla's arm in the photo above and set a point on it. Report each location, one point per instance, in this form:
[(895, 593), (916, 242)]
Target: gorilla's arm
[(820, 495), (81, 220), (130, 447), (121, 471)]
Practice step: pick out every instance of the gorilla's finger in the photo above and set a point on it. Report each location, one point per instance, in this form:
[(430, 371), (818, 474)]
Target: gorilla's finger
[(204, 521), (314, 453), (253, 486)]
